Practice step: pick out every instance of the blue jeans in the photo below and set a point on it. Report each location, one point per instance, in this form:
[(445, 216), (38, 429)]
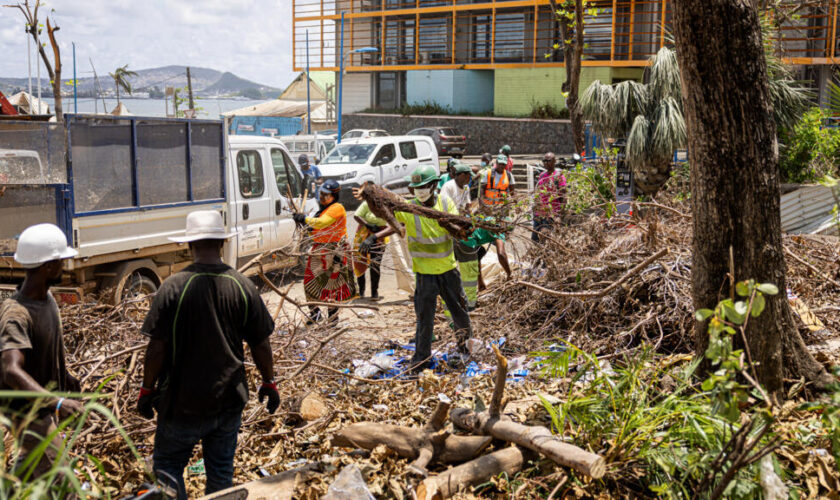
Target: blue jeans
[(176, 438)]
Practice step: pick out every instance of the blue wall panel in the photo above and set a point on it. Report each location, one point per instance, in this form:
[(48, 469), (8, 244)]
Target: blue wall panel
[(458, 90)]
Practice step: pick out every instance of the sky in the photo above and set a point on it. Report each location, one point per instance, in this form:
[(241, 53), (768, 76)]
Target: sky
[(252, 39)]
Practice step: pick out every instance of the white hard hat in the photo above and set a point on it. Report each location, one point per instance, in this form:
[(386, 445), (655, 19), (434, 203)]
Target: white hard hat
[(203, 225), (40, 244)]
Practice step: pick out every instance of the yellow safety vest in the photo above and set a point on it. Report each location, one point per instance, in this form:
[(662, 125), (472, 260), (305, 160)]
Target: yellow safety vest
[(429, 244)]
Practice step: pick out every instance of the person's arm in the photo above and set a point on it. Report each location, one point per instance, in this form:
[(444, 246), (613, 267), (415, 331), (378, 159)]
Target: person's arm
[(264, 359), (153, 363), (503, 258), (511, 183), (320, 222), (15, 376)]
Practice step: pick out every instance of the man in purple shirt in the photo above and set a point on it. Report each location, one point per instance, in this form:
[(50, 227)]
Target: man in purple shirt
[(551, 197)]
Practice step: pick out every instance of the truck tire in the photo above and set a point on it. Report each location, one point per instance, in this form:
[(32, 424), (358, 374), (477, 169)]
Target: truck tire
[(129, 279)]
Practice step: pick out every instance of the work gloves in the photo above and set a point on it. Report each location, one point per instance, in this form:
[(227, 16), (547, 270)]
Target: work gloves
[(145, 404), (300, 219), (366, 245), (269, 390), (373, 229)]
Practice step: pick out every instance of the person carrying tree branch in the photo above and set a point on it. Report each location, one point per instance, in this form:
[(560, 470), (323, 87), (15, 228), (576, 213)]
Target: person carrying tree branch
[(435, 269)]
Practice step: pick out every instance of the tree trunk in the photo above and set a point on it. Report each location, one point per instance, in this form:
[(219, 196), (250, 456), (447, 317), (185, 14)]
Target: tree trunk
[(55, 75), (650, 177), (571, 34), (735, 178)]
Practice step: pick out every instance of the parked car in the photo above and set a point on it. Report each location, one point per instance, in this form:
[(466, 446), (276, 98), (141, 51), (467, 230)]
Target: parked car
[(447, 140), (330, 132), (359, 133), (314, 146), (382, 160), (125, 199)]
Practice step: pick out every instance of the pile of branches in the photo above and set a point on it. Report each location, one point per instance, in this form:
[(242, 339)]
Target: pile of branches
[(609, 285)]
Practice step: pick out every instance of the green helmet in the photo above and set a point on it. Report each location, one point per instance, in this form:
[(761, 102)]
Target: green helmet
[(462, 168), (423, 175), (505, 150)]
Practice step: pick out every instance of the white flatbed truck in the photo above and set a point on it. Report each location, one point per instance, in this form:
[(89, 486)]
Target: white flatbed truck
[(119, 187)]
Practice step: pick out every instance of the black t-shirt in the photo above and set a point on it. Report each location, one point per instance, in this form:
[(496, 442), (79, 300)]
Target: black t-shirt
[(34, 328), (204, 313)]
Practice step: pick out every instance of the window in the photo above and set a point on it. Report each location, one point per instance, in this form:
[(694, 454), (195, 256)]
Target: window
[(281, 172), (448, 132), (349, 153), (408, 150), (386, 91), (249, 166), (388, 152), (378, 133), (424, 150)]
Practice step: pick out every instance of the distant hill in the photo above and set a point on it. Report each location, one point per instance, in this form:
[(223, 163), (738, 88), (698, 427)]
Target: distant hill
[(206, 83)]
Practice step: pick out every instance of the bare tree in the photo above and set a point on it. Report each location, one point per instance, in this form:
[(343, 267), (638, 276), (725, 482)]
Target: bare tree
[(735, 194), (33, 27), (570, 18)]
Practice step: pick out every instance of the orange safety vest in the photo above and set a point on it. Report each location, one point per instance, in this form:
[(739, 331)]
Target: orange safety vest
[(495, 195)]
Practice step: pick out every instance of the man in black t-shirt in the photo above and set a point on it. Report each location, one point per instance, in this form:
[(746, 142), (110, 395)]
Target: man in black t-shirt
[(194, 371)]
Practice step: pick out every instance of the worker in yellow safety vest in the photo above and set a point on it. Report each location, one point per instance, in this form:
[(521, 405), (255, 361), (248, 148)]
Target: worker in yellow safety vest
[(433, 261), (496, 184)]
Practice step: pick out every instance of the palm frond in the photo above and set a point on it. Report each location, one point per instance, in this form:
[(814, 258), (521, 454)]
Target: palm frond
[(789, 99), (833, 98), (598, 106), (669, 133), (665, 74), (631, 98), (638, 141)]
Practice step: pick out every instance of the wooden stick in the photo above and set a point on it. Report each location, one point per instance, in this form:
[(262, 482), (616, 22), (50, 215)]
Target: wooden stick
[(321, 345), (496, 405), (250, 263), (280, 305), (450, 482), (110, 356), (300, 305), (439, 415), (600, 293), (811, 267)]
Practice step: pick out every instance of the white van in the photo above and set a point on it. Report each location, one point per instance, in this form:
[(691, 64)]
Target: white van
[(385, 161), (315, 146)]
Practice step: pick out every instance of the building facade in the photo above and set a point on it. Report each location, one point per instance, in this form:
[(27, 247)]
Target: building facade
[(498, 56)]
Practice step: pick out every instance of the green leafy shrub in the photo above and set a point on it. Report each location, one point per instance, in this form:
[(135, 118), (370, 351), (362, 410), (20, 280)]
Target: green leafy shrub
[(548, 111), (809, 150)]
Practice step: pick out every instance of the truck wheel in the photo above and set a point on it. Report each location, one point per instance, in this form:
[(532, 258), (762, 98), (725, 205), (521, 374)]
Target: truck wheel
[(137, 294)]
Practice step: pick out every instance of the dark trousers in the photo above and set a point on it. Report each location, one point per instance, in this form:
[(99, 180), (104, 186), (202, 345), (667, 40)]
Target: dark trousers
[(376, 254), (428, 288), (541, 224), (176, 438)]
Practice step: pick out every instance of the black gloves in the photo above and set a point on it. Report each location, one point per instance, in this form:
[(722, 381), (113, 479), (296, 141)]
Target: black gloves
[(366, 245), (145, 405), (269, 390), (373, 229), (300, 219)]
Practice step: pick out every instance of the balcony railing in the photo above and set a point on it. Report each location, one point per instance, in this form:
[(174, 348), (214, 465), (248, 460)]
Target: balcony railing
[(486, 34)]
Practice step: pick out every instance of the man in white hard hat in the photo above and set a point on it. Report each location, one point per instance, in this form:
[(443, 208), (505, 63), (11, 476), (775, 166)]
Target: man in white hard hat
[(31, 344), (194, 371)]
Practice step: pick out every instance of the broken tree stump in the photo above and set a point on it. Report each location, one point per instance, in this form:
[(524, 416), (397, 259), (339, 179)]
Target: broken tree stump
[(448, 483), (533, 437)]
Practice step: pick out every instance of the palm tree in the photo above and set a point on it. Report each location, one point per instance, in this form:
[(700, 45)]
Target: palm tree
[(650, 116), (120, 76)]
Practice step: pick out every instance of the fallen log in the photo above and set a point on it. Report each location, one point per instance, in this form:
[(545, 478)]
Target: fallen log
[(448, 483), (533, 437), (278, 487), (408, 442)]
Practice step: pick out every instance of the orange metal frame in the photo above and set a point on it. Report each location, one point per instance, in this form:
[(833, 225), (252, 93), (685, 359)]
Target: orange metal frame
[(624, 34)]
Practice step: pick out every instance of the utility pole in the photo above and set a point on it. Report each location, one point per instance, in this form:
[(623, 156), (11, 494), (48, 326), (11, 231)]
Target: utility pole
[(97, 89), (75, 89), (29, 64), (189, 88)]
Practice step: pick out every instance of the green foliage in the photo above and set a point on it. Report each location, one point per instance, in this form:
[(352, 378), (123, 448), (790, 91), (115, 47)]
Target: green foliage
[(548, 111), (673, 440), (809, 150), (426, 108), (69, 471), (592, 184)]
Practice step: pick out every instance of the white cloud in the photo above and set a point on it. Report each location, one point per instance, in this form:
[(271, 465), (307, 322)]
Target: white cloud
[(250, 39)]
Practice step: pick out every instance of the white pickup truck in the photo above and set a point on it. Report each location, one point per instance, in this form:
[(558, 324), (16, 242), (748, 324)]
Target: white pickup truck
[(123, 185)]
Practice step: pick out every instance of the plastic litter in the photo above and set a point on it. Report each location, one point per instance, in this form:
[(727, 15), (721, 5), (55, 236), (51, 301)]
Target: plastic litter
[(366, 314), (349, 485), (771, 483), (380, 362), (197, 469)]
